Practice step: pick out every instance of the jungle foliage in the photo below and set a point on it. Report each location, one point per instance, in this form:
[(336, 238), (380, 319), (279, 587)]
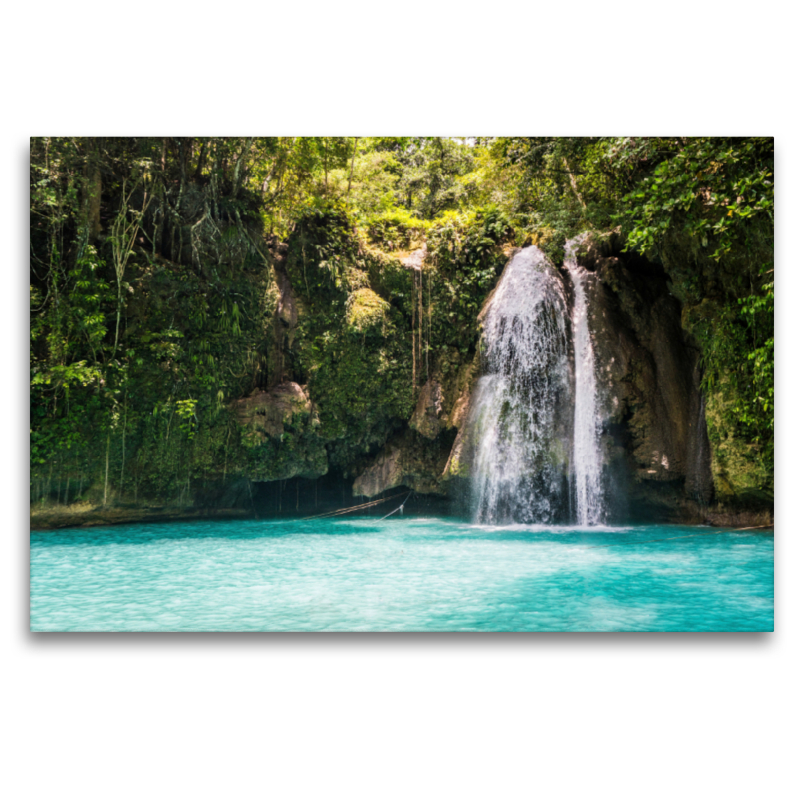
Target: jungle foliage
[(156, 299)]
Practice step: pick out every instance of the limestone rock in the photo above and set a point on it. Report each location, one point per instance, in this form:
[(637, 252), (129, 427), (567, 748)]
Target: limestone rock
[(265, 413), (461, 393), (385, 473), (407, 460), (415, 259), (648, 373), (427, 417), (457, 465)]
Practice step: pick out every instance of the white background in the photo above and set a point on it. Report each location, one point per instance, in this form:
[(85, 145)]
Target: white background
[(494, 716)]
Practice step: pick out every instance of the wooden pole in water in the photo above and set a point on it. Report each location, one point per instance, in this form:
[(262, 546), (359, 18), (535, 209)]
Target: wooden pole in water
[(348, 509)]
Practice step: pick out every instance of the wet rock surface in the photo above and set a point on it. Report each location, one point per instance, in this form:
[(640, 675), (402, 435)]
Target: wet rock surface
[(648, 379)]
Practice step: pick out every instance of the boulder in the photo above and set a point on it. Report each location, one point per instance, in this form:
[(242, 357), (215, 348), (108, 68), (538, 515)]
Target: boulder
[(406, 460), (386, 472)]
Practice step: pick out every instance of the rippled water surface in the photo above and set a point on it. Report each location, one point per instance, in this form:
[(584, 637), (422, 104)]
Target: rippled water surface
[(400, 575)]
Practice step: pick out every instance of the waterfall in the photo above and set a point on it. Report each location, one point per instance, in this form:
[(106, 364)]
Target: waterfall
[(535, 435), (587, 461), (516, 419)]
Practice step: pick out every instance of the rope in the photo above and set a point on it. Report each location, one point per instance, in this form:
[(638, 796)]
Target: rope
[(353, 508), (399, 508)]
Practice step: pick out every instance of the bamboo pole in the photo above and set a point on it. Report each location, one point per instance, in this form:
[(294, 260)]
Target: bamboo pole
[(341, 511)]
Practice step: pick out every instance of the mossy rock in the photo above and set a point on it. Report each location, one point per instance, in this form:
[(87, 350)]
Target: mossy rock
[(366, 310), (741, 473)]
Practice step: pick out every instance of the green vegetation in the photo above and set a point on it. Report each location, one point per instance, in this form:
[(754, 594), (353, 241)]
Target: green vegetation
[(703, 208), (160, 267)]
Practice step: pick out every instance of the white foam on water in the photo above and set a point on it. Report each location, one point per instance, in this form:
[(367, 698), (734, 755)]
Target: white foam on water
[(535, 430), (520, 454)]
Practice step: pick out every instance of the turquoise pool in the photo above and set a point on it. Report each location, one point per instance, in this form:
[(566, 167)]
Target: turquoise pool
[(401, 574)]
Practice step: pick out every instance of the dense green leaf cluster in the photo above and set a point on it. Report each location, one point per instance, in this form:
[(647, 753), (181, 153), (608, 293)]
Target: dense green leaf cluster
[(468, 257), (156, 264), (353, 343)]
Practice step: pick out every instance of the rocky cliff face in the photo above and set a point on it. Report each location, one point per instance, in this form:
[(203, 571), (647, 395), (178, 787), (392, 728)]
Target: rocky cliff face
[(655, 442), (655, 438), (426, 457), (658, 462), (280, 432), (712, 293)]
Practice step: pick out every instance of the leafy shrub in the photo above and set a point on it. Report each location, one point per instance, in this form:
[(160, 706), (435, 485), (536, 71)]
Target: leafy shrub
[(467, 253), (395, 229)]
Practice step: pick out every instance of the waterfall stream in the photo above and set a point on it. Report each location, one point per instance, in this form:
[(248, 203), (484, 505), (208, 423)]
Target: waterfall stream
[(535, 434), (516, 420), (587, 462)]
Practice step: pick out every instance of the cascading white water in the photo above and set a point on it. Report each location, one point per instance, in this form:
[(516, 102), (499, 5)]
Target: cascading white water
[(516, 418), (529, 425), (587, 463)]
